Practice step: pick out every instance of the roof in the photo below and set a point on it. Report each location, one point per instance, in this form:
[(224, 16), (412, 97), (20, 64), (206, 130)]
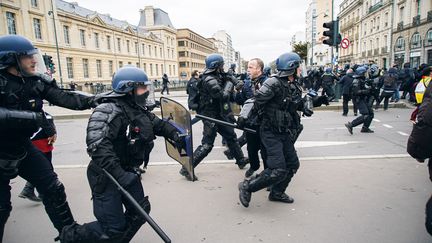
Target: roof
[(160, 17)]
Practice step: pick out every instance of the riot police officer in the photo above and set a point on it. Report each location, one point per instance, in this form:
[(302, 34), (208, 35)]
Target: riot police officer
[(361, 94), (278, 101), (216, 89), (374, 82), (118, 131), (328, 81), (22, 91)]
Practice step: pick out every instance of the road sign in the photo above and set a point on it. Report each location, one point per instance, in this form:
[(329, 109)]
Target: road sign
[(345, 43)]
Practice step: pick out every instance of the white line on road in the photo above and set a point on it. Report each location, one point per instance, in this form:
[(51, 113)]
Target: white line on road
[(321, 158), (387, 125), (403, 134), (376, 120)]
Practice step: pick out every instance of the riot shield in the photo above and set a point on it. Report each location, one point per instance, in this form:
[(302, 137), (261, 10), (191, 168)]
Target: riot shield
[(178, 116)]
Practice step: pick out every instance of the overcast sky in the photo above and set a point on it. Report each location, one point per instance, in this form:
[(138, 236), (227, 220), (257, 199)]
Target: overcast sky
[(258, 28)]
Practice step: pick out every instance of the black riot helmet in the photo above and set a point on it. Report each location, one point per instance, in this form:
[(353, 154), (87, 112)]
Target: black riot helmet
[(287, 64), (128, 79), (214, 62)]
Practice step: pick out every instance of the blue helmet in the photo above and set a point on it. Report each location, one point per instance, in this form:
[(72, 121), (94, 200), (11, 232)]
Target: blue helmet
[(214, 61), (360, 71), (127, 78), (287, 63), (374, 70), (328, 70), (267, 71), (12, 47)]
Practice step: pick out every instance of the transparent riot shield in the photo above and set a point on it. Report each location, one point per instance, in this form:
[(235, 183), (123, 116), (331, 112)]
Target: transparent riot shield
[(178, 116)]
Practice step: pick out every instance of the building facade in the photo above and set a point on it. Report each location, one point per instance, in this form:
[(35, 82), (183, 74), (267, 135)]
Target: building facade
[(412, 32), (350, 16), (91, 46), (224, 45), (318, 13), (192, 52)]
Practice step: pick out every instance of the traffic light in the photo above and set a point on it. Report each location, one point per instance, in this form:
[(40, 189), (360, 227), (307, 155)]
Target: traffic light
[(334, 38), (49, 63)]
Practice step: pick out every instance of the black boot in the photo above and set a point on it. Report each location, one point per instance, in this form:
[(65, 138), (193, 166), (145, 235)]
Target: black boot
[(228, 154), (280, 197), (349, 127), (236, 151), (76, 233), (244, 195), (366, 130), (199, 154), (186, 174), (28, 192)]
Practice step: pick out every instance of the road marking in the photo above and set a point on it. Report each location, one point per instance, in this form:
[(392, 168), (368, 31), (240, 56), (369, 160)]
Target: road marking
[(387, 125), (403, 134), (376, 120), (321, 158), (341, 128)]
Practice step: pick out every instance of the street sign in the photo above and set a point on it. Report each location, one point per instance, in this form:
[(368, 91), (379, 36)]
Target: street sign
[(345, 43)]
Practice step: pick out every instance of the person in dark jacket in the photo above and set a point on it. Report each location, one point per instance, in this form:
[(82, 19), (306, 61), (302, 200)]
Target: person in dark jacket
[(346, 83), (328, 81), (388, 84), (420, 143), (165, 83)]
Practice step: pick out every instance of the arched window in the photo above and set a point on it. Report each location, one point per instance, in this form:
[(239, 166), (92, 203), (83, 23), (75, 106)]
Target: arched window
[(428, 40), (400, 44), (415, 41)]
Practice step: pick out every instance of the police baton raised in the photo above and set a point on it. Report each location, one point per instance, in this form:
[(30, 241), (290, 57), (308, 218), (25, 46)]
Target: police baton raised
[(141, 211), (224, 123)]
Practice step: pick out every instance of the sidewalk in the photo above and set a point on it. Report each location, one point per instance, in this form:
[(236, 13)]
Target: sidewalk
[(333, 203)]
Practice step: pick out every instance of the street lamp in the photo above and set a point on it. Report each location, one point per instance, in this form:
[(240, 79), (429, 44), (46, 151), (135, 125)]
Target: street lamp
[(51, 12)]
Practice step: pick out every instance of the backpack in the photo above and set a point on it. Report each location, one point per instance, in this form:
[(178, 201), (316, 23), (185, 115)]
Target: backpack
[(389, 80), (193, 89)]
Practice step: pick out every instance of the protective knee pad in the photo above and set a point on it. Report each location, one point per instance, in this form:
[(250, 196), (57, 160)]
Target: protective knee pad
[(266, 178), (134, 221), (201, 152), (57, 207), (235, 150), (4, 215)]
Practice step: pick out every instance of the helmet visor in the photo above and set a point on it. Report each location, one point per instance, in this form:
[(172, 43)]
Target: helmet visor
[(32, 64)]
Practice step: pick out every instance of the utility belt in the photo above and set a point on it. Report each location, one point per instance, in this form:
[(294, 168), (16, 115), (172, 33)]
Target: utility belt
[(279, 120)]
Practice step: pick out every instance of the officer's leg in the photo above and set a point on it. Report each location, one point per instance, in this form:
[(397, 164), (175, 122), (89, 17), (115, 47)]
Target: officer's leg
[(134, 220), (253, 146), (263, 153), (368, 119), (276, 172), (231, 139), (107, 208), (5, 203), (277, 192), (209, 135), (36, 169), (345, 100), (362, 107)]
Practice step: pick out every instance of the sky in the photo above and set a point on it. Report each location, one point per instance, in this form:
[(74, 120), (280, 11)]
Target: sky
[(258, 28)]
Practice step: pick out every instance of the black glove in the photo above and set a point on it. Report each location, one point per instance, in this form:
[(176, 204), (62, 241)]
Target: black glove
[(239, 85), (241, 122), (320, 100), (124, 178), (180, 142), (307, 112)]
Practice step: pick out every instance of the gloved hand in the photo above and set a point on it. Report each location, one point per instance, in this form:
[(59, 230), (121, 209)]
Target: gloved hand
[(124, 178), (180, 142), (320, 100), (307, 112), (241, 122), (239, 85)]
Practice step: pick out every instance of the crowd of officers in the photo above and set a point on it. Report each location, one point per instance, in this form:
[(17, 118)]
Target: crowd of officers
[(122, 128)]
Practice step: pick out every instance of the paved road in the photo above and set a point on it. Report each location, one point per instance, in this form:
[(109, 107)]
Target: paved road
[(350, 188)]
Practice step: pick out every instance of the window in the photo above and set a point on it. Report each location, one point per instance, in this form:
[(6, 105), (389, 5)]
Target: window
[(401, 14), (118, 45), (82, 37), (400, 44), (138, 65), (172, 54), (143, 49), (34, 3), (136, 47), (11, 25), (182, 64), (151, 69), (386, 19), (429, 36), (96, 36), (181, 43), (110, 68), (155, 51), (37, 28), (69, 65), (108, 42), (85, 68), (150, 53), (182, 53), (157, 70), (120, 64), (169, 69), (66, 34), (145, 67), (160, 50), (127, 46), (99, 68), (174, 69), (415, 40)]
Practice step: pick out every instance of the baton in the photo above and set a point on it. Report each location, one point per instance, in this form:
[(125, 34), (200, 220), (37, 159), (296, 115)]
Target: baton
[(143, 213), (224, 123)]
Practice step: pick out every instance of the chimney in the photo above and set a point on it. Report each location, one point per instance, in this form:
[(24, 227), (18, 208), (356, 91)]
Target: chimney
[(149, 15)]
